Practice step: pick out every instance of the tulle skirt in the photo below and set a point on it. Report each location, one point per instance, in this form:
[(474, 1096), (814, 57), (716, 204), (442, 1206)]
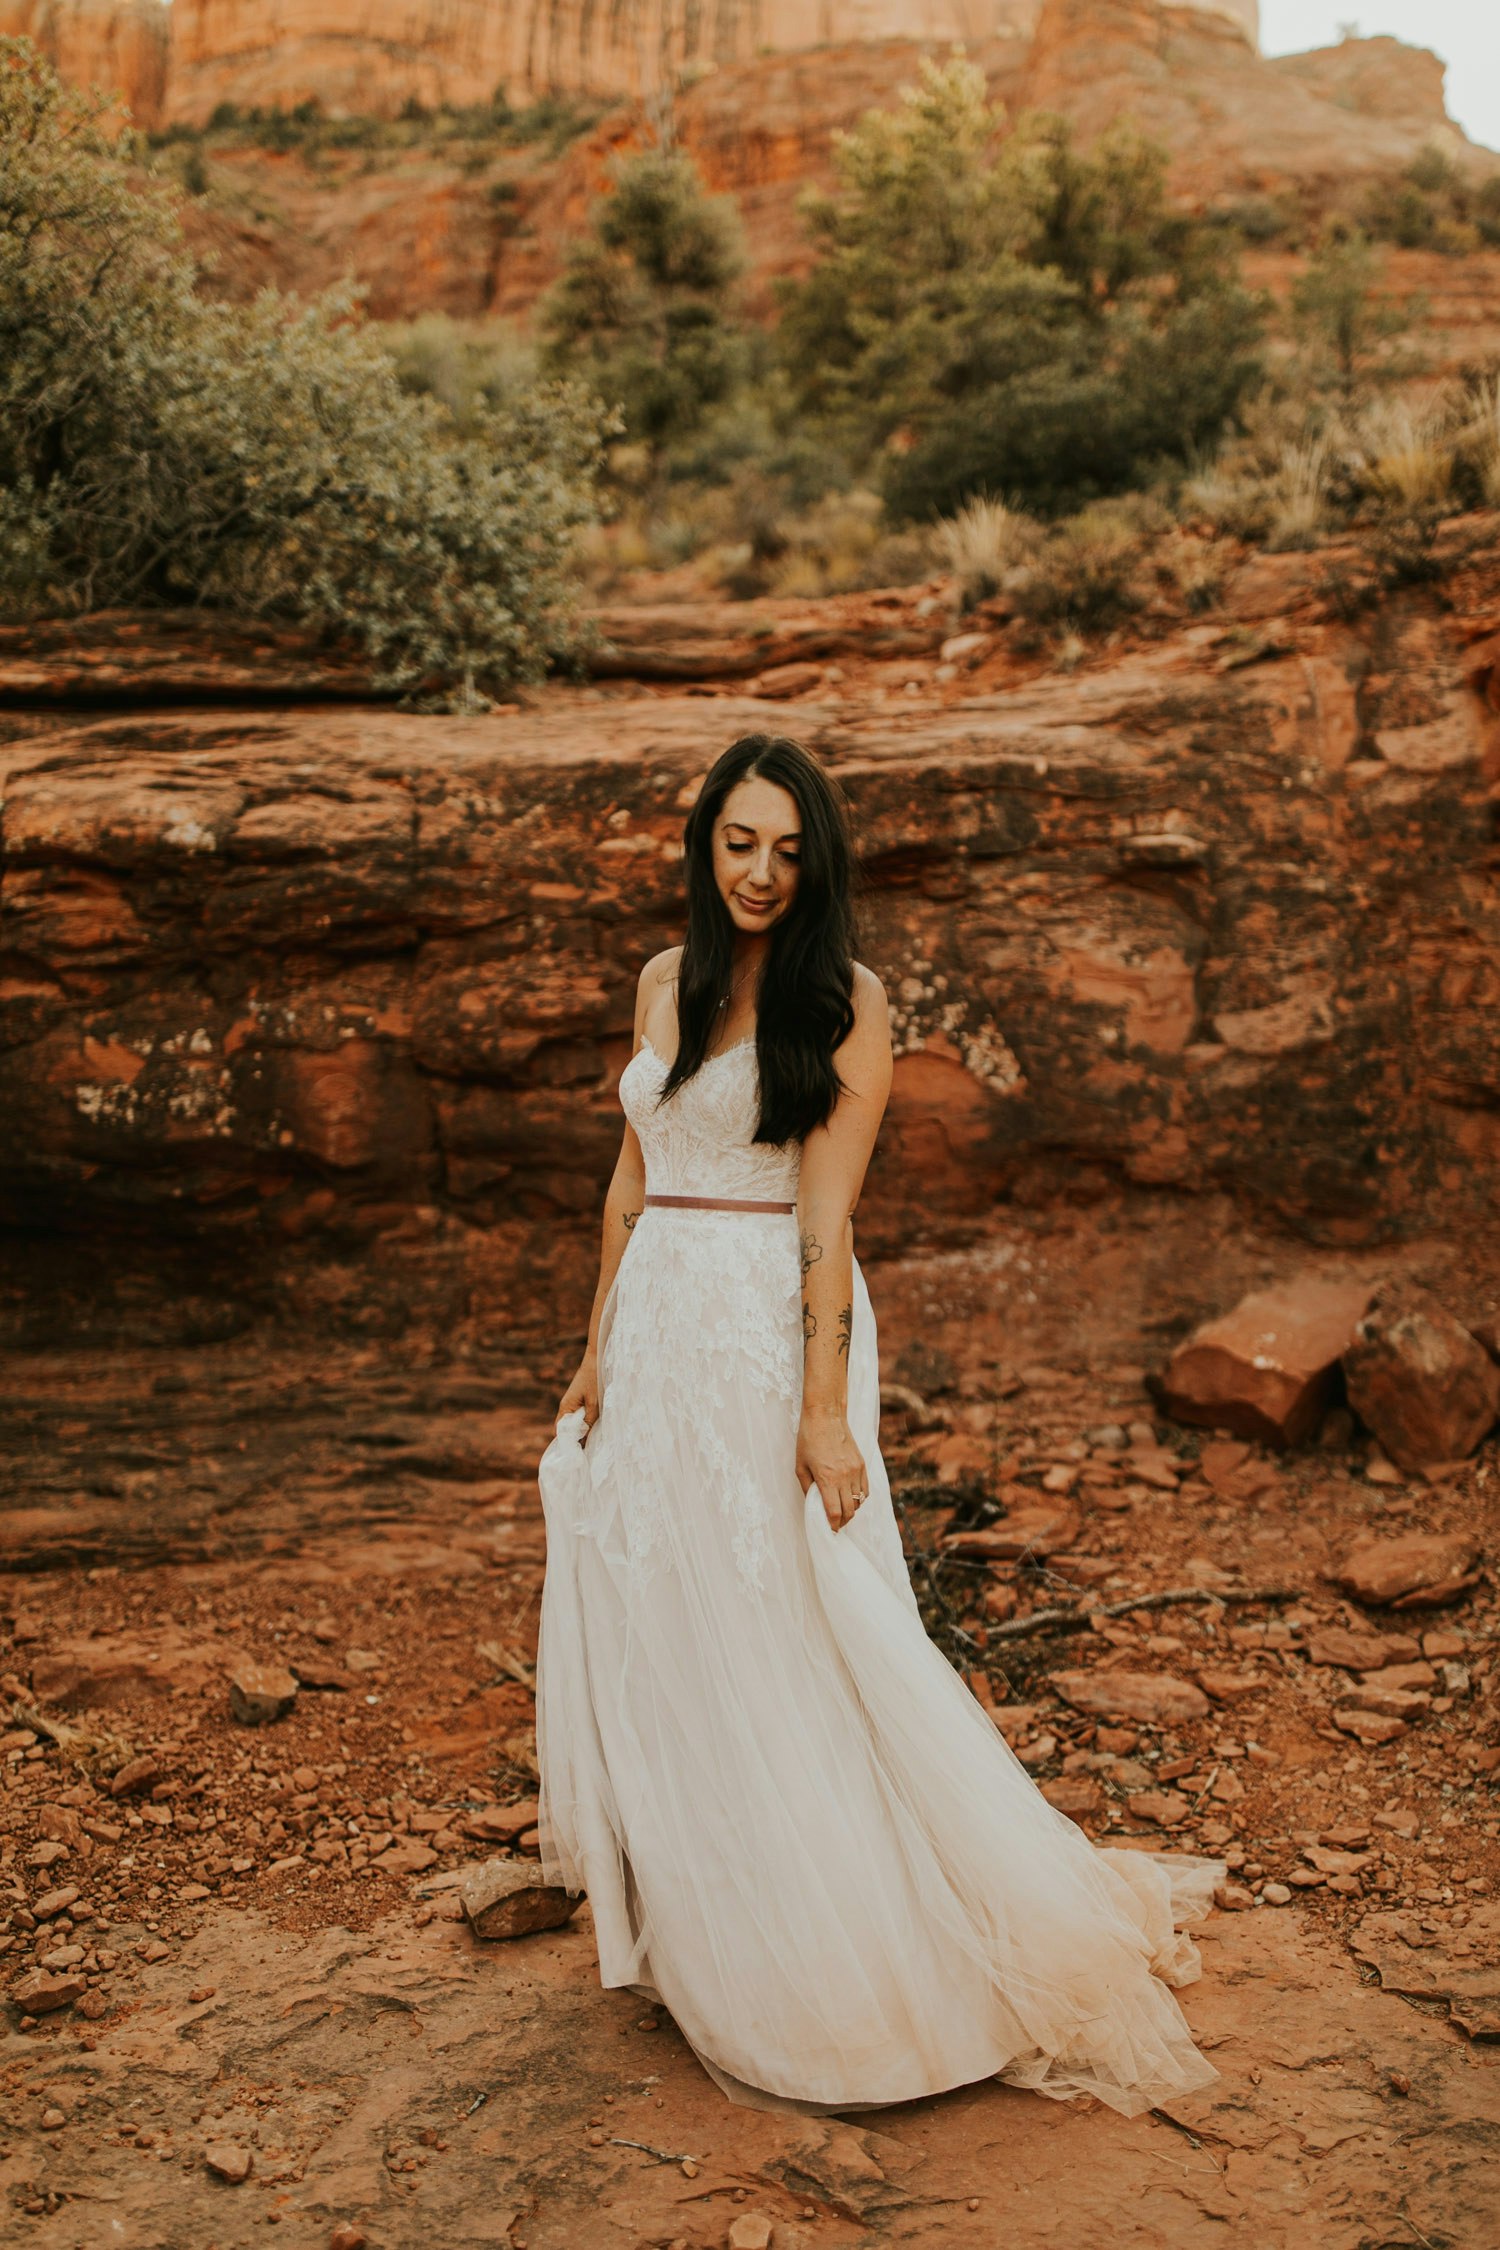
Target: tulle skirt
[(797, 1827)]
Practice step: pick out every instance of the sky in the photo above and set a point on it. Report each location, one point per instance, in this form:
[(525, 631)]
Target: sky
[(1466, 33)]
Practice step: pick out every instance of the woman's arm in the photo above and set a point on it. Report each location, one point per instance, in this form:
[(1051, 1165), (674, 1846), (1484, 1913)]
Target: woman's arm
[(623, 1204), (834, 1159)]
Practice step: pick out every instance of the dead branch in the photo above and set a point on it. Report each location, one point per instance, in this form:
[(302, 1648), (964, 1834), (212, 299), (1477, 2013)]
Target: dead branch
[(1078, 1620)]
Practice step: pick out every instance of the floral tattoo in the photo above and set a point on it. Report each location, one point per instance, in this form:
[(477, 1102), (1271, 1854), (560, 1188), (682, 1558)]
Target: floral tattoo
[(846, 1330)]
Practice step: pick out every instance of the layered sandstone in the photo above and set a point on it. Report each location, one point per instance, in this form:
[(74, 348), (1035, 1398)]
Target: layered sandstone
[(319, 1012), (118, 46), (1235, 121), (373, 57)]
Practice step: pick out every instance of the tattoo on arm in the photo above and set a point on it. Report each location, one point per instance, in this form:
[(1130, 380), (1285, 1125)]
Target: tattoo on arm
[(811, 1250), (846, 1330), (809, 1322), (630, 1218)]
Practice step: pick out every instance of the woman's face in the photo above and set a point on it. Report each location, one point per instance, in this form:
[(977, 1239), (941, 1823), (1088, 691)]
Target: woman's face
[(757, 844)]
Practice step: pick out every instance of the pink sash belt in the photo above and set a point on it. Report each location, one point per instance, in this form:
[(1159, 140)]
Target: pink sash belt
[(716, 1203)]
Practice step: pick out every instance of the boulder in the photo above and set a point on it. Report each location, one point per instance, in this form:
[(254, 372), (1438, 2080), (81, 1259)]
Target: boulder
[(1418, 1570), (1267, 1369), (261, 1693), (1156, 1698), (504, 1899), (1417, 1377)]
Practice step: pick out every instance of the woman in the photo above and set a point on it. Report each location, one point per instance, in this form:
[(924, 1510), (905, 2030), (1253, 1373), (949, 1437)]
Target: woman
[(796, 1826)]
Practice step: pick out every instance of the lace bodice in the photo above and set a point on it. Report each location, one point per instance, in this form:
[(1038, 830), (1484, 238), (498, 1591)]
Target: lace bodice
[(701, 1142)]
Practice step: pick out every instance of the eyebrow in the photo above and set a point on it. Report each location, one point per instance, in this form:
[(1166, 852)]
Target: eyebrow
[(792, 836)]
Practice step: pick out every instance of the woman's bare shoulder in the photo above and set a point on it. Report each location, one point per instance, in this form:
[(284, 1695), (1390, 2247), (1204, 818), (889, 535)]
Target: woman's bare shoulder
[(658, 975), (872, 1009), (660, 971)]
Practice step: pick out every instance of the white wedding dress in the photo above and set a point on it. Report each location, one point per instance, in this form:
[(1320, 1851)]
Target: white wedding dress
[(797, 1827)]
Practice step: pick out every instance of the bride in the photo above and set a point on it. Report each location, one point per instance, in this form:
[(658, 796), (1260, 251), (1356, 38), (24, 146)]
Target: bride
[(796, 1826)]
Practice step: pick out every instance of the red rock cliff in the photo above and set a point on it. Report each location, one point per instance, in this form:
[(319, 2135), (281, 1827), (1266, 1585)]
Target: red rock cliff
[(372, 56), (120, 46), (320, 1012)]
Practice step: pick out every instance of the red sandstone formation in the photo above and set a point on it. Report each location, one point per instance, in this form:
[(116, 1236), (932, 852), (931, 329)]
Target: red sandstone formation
[(119, 46), (282, 987), (372, 56)]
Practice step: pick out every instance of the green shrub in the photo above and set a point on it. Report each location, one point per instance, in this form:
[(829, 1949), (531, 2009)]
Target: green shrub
[(644, 306), (1342, 314), (157, 447), (1036, 321), (1086, 573), (1431, 205), (470, 368)]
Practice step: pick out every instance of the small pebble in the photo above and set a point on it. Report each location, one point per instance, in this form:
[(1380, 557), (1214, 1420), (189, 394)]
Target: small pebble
[(52, 2120)]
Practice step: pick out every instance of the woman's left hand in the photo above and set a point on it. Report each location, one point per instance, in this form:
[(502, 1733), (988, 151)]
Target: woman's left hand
[(828, 1457)]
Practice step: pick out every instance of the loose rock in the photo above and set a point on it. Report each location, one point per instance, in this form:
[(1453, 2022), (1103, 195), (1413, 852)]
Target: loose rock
[(1358, 1652), (1038, 1531), (136, 1774), (1266, 1369), (1421, 1569), (1074, 1794), (43, 1991), (1419, 1380), (500, 1824), (261, 1693), (750, 2231), (504, 1899), (1156, 1697), (228, 2160), (1369, 1726)]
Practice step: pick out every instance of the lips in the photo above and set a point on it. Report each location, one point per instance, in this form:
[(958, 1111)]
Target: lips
[(756, 906)]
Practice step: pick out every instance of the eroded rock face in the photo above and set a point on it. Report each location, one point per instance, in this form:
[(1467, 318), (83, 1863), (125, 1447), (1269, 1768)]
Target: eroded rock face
[(119, 46), (322, 1010)]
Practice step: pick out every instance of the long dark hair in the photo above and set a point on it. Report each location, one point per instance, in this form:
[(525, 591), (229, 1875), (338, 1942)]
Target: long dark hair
[(805, 999)]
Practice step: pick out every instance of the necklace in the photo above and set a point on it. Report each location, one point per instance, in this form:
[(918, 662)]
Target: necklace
[(734, 988)]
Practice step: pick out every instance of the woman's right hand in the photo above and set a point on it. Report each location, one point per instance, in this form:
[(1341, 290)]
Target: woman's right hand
[(583, 1391)]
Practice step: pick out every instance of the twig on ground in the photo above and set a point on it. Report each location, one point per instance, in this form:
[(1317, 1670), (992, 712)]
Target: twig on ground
[(662, 2155), (1077, 1620)]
